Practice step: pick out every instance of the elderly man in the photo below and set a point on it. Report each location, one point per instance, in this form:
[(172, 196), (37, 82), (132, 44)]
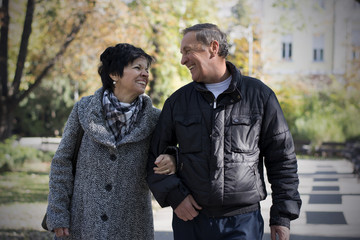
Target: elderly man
[(226, 126)]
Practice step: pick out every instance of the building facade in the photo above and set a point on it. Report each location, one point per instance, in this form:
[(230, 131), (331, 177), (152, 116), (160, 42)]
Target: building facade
[(308, 38)]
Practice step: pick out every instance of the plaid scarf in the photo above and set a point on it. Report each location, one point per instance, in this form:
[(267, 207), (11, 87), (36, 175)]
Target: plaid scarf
[(120, 117)]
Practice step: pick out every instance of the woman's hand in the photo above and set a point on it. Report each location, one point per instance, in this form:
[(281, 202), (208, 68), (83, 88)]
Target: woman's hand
[(165, 164), (61, 232)]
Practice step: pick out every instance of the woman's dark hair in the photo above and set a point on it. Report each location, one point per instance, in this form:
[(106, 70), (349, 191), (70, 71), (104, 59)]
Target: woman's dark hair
[(206, 33), (114, 59)]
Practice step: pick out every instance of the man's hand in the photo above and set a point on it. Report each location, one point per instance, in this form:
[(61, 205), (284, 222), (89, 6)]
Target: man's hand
[(165, 164), (188, 209), (61, 232), (281, 231)]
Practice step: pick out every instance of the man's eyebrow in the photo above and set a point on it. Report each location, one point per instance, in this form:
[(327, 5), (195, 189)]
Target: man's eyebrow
[(184, 48)]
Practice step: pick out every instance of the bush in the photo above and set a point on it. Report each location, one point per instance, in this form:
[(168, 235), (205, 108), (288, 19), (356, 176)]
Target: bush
[(326, 112), (13, 156), (43, 113)]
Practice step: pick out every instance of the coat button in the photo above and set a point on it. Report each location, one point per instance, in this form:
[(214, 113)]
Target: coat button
[(112, 157), (104, 217), (108, 187)]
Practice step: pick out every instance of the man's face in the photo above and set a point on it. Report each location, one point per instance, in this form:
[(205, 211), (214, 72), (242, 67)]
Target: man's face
[(196, 57)]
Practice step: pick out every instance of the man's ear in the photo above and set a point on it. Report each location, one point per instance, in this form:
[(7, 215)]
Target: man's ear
[(214, 48)]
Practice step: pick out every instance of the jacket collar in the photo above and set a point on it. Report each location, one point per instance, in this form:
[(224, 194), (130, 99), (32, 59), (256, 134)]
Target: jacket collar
[(234, 88)]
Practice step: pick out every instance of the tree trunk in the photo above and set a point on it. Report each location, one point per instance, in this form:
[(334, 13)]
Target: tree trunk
[(5, 19), (30, 8), (152, 83), (4, 116), (10, 98), (7, 117)]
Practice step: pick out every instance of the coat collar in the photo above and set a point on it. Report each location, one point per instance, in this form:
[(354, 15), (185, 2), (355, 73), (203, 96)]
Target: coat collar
[(92, 118)]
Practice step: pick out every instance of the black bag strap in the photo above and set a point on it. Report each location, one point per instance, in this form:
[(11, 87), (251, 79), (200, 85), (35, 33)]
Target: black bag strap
[(77, 147)]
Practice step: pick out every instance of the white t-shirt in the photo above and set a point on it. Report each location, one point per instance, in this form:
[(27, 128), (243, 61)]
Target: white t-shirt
[(218, 88)]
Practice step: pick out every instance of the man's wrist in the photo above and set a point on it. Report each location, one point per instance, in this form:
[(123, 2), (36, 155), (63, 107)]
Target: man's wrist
[(176, 196), (280, 221)]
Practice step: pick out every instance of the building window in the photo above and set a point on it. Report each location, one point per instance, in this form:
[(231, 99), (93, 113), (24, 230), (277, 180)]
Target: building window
[(320, 4), (356, 54), (355, 42), (287, 47), (318, 48), (356, 4)]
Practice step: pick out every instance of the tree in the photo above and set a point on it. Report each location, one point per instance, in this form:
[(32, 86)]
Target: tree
[(153, 25), (160, 22), (12, 90), (244, 39)]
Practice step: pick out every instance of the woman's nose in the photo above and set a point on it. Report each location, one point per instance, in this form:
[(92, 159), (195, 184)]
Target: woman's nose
[(145, 73)]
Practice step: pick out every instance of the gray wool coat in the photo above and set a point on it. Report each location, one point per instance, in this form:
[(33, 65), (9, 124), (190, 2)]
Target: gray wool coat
[(109, 197)]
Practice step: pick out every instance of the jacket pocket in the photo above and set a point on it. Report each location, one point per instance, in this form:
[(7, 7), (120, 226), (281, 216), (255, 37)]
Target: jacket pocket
[(245, 131), (188, 132)]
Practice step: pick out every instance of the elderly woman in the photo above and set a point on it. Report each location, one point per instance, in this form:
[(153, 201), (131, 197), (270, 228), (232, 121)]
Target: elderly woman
[(108, 197)]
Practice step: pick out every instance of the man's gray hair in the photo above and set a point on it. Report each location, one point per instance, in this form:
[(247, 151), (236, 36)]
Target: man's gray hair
[(208, 32)]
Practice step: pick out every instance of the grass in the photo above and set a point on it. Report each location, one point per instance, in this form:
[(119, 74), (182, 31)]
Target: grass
[(25, 186), (23, 201)]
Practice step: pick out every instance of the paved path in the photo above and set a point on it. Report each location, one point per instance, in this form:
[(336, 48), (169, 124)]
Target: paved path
[(331, 204)]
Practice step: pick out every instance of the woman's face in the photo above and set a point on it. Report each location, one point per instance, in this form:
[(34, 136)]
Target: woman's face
[(133, 82)]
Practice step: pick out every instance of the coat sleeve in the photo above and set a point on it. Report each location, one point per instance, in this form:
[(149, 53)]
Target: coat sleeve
[(61, 177), (278, 150), (168, 190)]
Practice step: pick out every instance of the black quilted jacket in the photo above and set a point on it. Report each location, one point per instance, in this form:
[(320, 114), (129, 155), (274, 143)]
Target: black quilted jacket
[(222, 151)]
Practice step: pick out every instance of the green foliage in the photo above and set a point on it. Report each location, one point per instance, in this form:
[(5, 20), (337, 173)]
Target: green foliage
[(288, 23), (45, 111), (159, 23), (241, 13), (152, 25), (330, 113), (292, 104), (24, 187), (13, 156)]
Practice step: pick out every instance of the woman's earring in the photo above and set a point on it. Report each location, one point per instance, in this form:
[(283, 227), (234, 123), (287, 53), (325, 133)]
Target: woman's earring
[(114, 82)]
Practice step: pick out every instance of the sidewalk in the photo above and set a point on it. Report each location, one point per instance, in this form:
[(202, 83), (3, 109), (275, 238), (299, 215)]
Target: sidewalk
[(331, 204)]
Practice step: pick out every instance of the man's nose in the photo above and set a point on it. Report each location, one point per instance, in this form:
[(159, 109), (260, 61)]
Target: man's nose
[(183, 59)]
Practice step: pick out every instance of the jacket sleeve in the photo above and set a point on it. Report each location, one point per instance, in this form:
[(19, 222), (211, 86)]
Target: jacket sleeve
[(168, 190), (278, 150), (61, 177)]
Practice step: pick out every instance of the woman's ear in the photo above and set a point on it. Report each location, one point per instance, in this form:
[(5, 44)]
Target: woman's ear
[(114, 77)]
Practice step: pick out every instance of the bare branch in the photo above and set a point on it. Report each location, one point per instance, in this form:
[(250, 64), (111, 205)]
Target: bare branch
[(23, 46), (70, 37)]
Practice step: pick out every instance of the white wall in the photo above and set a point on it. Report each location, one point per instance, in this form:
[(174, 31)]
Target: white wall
[(335, 22)]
